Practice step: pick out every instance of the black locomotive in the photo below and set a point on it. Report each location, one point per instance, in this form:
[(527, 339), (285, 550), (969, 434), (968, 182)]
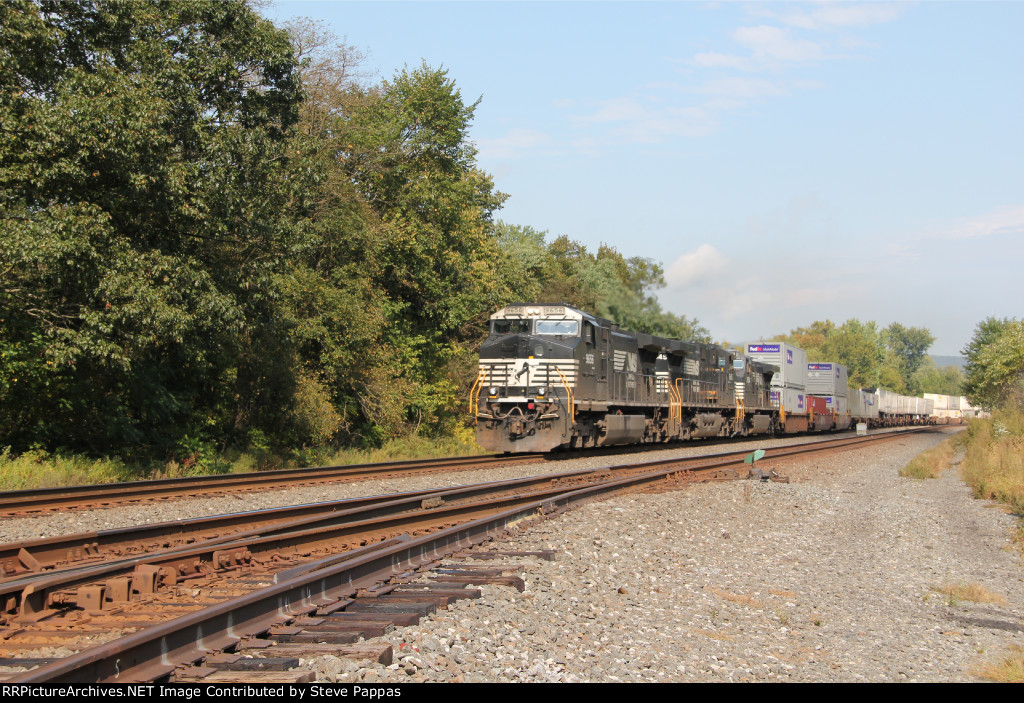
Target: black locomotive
[(554, 376)]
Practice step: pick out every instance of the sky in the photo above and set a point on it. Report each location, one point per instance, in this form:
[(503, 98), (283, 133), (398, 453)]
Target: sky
[(784, 162)]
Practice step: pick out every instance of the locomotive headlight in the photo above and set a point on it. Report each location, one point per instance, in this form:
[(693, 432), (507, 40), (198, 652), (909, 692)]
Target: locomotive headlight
[(541, 390), (494, 391)]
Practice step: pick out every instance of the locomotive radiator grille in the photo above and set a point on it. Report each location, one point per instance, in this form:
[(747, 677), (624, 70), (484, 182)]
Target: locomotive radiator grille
[(539, 372), (661, 381)]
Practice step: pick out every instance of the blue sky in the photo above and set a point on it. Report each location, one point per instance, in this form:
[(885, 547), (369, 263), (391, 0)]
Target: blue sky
[(785, 162)]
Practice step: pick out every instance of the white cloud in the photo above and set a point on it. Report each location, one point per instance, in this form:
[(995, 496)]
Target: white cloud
[(617, 110), (773, 44), (1007, 220), (517, 143), (635, 121), (740, 87), (715, 60), (704, 264), (837, 16)]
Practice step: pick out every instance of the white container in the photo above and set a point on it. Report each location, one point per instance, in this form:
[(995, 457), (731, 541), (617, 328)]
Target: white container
[(826, 378), (837, 404), (886, 401), (863, 405), (793, 400), (791, 362)]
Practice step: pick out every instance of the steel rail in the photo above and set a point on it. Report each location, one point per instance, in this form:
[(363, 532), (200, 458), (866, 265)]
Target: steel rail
[(322, 534), (62, 552), (155, 651), (72, 497)]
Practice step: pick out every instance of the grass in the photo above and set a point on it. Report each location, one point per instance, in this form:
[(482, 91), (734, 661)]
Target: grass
[(993, 464), (931, 463), (972, 592), (1009, 669), (40, 469)]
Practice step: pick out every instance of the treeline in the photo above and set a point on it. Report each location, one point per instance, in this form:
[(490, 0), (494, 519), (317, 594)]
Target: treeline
[(995, 364), (893, 357), (214, 232)]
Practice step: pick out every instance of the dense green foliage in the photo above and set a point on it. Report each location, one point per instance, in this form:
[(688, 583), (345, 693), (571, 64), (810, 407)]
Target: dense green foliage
[(141, 222), (891, 357), (995, 364), (214, 234)]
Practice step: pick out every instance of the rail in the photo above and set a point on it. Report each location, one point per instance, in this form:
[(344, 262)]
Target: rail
[(423, 536)]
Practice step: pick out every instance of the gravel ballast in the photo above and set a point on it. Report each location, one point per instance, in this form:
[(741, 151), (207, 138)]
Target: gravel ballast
[(74, 522), (832, 577)]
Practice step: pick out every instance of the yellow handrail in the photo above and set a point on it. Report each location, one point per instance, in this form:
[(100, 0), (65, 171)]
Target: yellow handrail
[(474, 395), (679, 393), (675, 406), (568, 392)]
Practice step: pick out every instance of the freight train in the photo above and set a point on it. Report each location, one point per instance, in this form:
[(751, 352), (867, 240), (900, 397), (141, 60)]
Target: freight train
[(553, 376)]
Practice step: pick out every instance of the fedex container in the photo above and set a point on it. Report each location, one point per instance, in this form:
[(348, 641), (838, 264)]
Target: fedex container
[(837, 404), (792, 400), (827, 378), (840, 406), (791, 362)]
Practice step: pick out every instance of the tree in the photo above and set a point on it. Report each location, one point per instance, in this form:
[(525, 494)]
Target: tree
[(141, 221), (947, 380), (995, 363), (986, 333), (909, 344)]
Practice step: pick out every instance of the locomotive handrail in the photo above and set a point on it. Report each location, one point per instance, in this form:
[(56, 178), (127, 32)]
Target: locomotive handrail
[(474, 394), (675, 406), (568, 392)]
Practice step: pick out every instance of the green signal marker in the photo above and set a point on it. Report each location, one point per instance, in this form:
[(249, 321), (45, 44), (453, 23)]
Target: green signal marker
[(751, 458)]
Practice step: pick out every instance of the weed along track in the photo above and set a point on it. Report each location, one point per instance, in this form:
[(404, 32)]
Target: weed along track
[(298, 580)]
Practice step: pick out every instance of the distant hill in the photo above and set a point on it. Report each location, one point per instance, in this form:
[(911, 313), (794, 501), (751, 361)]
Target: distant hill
[(942, 361)]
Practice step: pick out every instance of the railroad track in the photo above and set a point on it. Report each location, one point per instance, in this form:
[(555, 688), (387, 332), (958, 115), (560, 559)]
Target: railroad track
[(69, 498), (179, 604), (35, 501)]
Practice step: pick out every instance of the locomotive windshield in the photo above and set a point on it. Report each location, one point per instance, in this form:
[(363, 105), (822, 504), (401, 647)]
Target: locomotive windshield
[(510, 326), (563, 327)]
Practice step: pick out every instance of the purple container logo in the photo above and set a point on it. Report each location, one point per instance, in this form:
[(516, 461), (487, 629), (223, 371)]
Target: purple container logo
[(763, 348)]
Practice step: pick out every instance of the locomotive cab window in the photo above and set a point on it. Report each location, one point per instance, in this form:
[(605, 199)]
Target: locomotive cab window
[(562, 327), (510, 326)]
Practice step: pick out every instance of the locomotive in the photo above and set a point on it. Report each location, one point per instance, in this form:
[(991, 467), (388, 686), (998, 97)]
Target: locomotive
[(553, 376)]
